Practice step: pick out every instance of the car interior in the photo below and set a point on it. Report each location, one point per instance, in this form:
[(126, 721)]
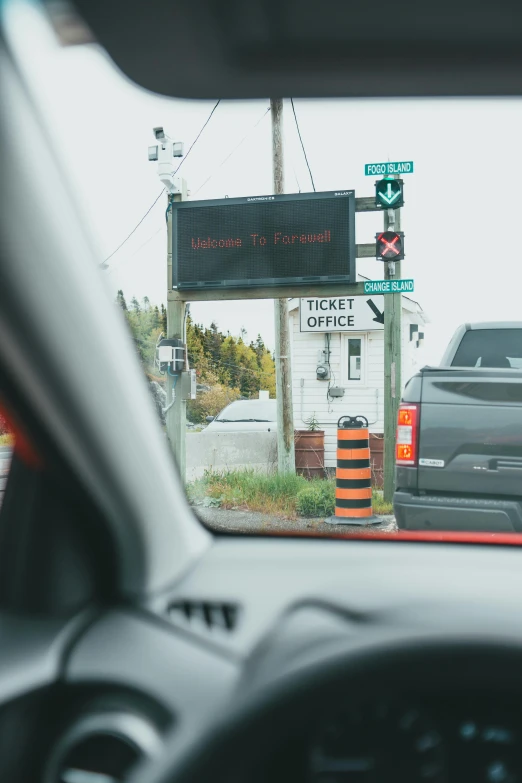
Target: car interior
[(135, 644)]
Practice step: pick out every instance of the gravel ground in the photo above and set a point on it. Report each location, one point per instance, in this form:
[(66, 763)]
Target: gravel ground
[(220, 519)]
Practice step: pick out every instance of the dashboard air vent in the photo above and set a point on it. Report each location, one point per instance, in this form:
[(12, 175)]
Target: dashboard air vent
[(204, 615), (102, 747)]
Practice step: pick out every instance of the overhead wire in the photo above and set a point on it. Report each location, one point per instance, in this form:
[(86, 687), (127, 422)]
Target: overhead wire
[(199, 134), (294, 169), (116, 266), (135, 227), (245, 137), (302, 143), (297, 181), (138, 224)]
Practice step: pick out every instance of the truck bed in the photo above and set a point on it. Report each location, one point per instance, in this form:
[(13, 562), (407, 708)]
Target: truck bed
[(471, 420), (469, 451)]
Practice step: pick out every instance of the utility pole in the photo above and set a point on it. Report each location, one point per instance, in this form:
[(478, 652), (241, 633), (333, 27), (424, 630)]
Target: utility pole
[(176, 416), (285, 411), (165, 152), (392, 360)]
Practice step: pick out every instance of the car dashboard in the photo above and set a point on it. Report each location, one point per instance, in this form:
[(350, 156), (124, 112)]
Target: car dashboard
[(422, 668), (434, 736)]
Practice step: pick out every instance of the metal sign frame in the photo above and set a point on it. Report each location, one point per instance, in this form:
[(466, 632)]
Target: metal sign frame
[(270, 282)]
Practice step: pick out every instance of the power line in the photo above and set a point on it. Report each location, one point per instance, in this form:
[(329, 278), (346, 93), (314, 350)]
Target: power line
[(117, 265), (295, 172), (136, 226), (295, 175), (163, 190), (199, 134), (302, 143), (245, 137)]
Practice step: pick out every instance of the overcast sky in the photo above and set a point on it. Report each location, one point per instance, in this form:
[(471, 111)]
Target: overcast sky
[(463, 203)]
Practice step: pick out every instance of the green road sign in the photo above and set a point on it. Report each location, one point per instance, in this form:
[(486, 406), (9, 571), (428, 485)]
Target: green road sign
[(389, 193), (388, 169), (388, 286)]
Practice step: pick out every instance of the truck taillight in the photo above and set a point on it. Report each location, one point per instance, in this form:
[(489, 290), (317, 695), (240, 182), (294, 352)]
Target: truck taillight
[(407, 435)]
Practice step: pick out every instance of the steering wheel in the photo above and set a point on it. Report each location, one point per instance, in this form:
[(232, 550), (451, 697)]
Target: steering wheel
[(268, 713)]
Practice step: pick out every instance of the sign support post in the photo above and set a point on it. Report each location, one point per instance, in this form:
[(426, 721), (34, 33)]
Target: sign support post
[(392, 360), (176, 415), (285, 410)]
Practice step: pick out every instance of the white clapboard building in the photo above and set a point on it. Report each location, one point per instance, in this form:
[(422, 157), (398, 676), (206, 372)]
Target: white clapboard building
[(337, 346)]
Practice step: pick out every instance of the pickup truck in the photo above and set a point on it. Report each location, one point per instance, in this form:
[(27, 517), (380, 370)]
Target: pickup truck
[(459, 436)]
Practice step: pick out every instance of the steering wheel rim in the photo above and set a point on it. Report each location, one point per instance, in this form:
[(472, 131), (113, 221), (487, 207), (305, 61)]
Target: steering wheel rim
[(269, 708)]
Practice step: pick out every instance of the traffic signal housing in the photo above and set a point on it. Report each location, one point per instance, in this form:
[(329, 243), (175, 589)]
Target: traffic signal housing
[(390, 245), (389, 193)]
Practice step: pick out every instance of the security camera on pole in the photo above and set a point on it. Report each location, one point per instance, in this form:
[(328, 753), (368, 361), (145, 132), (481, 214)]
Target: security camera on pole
[(165, 152)]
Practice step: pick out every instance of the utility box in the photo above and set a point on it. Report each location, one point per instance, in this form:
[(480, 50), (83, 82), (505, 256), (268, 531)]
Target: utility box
[(323, 372), (188, 385), (171, 353)]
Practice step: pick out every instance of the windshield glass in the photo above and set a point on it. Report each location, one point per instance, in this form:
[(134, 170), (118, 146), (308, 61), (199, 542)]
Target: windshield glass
[(318, 294), (262, 411), (493, 348)]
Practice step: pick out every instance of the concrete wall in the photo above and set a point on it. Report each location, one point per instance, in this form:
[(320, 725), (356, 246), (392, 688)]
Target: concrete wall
[(230, 451)]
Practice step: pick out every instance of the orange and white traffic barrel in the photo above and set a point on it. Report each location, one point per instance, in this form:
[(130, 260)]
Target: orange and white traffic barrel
[(353, 477)]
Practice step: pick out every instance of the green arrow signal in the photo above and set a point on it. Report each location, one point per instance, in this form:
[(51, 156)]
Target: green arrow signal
[(390, 196)]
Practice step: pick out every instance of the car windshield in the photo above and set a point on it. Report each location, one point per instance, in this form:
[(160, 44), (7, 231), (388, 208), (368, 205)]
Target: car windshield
[(248, 410), (493, 348), (316, 288)]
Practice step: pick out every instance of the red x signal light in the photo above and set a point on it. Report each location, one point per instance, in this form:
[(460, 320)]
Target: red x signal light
[(390, 246)]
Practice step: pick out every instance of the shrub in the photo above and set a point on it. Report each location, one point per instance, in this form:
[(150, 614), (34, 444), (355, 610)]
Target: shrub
[(317, 499), (211, 402), (287, 495)]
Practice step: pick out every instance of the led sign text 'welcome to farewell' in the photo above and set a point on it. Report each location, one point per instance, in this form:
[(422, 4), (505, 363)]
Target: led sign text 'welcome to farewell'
[(260, 241), (295, 239)]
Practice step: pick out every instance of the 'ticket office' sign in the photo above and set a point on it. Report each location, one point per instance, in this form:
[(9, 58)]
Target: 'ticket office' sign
[(264, 241)]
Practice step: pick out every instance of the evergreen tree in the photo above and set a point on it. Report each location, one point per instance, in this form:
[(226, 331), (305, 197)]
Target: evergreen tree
[(196, 352), (259, 348), (120, 299), (163, 319), (212, 340), (230, 369), (267, 375), (223, 363), (249, 379), (156, 318)]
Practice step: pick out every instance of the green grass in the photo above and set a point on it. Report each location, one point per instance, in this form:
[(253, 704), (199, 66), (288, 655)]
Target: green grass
[(286, 496), (379, 505), (245, 489)]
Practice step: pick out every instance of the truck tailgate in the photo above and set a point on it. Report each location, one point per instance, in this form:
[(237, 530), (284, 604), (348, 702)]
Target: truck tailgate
[(471, 431)]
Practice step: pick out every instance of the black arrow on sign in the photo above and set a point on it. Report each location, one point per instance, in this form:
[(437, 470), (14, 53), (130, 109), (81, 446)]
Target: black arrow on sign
[(379, 317)]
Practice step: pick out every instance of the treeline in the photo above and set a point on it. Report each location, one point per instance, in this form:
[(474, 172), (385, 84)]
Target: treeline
[(227, 368)]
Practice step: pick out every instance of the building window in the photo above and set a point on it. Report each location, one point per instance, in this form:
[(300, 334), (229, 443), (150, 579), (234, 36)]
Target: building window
[(355, 358)]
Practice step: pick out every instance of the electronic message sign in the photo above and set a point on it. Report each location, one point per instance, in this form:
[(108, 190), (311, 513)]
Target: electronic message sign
[(298, 239)]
